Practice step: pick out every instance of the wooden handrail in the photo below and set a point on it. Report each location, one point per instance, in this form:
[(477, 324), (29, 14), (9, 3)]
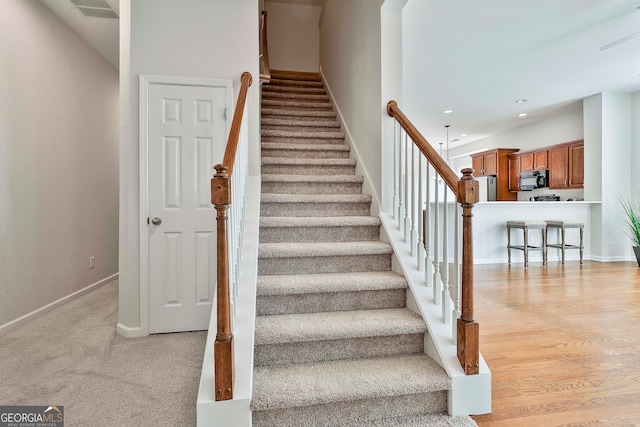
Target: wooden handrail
[(466, 190), (234, 133), (221, 199), (265, 71), (429, 152)]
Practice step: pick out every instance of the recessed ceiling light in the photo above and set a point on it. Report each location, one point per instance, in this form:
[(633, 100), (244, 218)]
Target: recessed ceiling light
[(463, 135), (520, 101), (448, 111), (522, 115)]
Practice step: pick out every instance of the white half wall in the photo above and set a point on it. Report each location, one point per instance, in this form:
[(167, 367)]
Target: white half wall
[(293, 36), (198, 38), (635, 143), (58, 162), (350, 58)]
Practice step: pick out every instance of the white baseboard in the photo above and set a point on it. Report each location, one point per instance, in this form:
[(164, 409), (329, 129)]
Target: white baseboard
[(128, 332), (16, 323)]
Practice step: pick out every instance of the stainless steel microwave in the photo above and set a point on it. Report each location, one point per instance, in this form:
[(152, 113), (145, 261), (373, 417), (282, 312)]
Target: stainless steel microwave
[(533, 179)]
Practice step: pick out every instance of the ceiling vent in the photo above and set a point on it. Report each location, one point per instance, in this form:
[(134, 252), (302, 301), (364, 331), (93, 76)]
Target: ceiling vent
[(96, 8)]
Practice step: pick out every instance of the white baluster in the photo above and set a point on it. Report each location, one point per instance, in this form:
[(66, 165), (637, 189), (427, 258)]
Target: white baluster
[(436, 245), (414, 232), (400, 181), (446, 296), (395, 171), (407, 221), (421, 251), (457, 273), (428, 270)]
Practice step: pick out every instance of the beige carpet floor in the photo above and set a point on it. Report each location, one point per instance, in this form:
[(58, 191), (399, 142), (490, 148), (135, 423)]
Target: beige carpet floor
[(73, 357)]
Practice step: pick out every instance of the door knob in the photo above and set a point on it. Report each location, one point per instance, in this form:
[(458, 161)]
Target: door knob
[(156, 221)]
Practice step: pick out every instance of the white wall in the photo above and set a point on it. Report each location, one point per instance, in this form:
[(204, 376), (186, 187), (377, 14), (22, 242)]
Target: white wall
[(350, 45), (635, 144), (293, 36), (58, 161), (555, 130), (194, 38)]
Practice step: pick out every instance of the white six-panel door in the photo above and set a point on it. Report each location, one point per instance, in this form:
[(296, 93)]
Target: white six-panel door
[(186, 137)]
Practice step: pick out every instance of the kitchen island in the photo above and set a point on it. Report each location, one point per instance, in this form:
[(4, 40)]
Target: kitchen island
[(490, 231)]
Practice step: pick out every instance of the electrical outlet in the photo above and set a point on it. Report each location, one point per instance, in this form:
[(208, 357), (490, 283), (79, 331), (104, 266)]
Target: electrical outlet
[(92, 261)]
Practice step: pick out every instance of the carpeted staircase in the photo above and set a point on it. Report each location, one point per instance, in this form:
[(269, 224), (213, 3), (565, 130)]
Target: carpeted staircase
[(335, 344)]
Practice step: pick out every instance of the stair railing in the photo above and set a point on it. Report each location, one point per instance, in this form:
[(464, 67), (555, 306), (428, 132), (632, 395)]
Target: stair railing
[(265, 72), (428, 217), (225, 188)]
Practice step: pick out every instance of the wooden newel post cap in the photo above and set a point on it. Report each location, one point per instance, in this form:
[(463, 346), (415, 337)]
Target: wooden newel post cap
[(391, 104), (468, 188), (220, 186), (247, 76)]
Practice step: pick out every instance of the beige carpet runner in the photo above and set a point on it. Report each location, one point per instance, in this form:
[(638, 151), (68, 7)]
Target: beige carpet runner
[(335, 344)]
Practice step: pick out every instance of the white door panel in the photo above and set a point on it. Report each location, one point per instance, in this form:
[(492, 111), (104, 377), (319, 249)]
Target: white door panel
[(186, 137)]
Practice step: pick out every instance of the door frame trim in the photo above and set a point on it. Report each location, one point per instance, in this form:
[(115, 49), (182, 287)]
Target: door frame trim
[(145, 81)]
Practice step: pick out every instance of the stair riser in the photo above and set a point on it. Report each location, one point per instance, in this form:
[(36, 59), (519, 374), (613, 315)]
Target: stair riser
[(298, 128), (322, 351), (309, 169), (324, 264), (358, 411), (294, 83), (293, 89), (287, 140), (330, 301), (312, 187), (319, 234), (295, 96), (315, 209), (311, 106), (283, 114), (305, 154)]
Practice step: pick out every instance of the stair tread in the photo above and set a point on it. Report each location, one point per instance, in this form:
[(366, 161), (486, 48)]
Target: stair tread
[(342, 221), (434, 420), (305, 161), (304, 104), (293, 89), (323, 326), (330, 282), (319, 249), (315, 198), (297, 113), (303, 134), (300, 96), (278, 387), (273, 177), (295, 83), (313, 147), (304, 123)]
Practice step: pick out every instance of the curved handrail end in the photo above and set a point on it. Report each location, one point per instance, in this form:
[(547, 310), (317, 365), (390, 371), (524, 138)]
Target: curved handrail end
[(390, 105)]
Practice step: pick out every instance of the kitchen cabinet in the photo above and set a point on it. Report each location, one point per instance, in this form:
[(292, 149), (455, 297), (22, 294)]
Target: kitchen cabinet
[(495, 162), (533, 161), (514, 172), (566, 166)]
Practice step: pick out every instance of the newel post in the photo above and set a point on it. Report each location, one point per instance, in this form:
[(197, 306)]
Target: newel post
[(468, 328), (223, 347)]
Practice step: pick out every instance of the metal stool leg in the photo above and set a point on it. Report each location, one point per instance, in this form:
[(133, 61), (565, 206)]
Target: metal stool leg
[(563, 244), (509, 243), (544, 247), (526, 247), (581, 245)]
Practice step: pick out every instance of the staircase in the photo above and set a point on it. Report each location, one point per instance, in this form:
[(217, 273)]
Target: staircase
[(335, 344)]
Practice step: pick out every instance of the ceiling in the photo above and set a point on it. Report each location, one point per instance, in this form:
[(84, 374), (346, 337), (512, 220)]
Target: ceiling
[(483, 56)]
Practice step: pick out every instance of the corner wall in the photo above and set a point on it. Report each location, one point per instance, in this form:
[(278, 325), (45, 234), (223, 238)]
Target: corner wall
[(350, 58), (58, 162), (293, 36), (198, 38)]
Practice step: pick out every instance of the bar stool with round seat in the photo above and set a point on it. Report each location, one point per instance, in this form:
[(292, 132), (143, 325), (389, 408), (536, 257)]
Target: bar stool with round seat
[(562, 244), (526, 247)]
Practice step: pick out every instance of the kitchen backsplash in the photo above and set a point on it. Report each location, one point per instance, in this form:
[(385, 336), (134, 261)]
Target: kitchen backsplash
[(577, 194)]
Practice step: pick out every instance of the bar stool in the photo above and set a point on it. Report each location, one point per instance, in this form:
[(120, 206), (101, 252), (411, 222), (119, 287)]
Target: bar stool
[(526, 247), (562, 244)]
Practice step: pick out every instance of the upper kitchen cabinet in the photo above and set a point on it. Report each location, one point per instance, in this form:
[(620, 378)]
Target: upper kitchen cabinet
[(533, 161), (566, 165), (514, 172), (495, 162)]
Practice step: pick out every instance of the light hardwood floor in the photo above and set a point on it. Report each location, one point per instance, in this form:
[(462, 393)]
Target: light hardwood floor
[(562, 343)]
